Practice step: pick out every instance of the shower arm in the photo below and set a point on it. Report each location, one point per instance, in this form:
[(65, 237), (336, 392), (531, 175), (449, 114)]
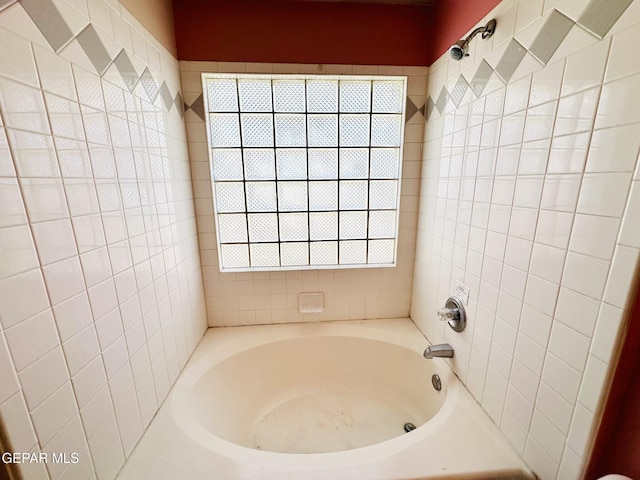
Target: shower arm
[(486, 31)]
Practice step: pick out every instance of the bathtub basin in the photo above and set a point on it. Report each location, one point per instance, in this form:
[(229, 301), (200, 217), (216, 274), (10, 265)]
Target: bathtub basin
[(320, 401)]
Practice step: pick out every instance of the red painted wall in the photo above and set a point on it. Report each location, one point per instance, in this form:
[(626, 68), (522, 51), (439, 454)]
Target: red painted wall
[(302, 32), (454, 18), (617, 447), (284, 31)]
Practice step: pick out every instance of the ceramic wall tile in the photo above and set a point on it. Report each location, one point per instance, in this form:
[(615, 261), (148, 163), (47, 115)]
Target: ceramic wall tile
[(558, 228), (32, 339), (617, 102), (18, 253), (92, 179), (10, 385), (17, 62)]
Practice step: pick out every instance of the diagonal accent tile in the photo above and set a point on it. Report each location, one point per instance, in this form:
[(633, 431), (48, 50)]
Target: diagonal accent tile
[(429, 106), (411, 110), (601, 15), (149, 85), (510, 60), (459, 90), (198, 106), (179, 104), (442, 100), (165, 94), (94, 48), (481, 78), (552, 34), (422, 110), (49, 21), (126, 69)]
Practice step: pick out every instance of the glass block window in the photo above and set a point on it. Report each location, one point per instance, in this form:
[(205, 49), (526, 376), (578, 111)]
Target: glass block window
[(305, 169)]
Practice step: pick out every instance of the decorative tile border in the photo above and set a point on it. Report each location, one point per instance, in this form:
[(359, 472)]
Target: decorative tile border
[(197, 107), (49, 20), (597, 19), (600, 16), (46, 16)]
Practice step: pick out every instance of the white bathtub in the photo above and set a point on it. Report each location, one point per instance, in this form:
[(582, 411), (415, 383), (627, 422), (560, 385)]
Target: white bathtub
[(320, 401)]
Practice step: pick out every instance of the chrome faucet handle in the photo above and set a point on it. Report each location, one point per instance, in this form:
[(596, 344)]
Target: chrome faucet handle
[(453, 313), (445, 314)]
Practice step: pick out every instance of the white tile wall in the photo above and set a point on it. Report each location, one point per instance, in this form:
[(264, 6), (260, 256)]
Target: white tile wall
[(271, 297), (101, 293), (547, 238)]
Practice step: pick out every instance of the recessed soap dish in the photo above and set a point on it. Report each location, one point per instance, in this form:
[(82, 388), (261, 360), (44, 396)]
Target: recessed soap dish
[(312, 302)]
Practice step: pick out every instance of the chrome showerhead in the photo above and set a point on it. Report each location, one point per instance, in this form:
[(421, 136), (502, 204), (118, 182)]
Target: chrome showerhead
[(459, 49)]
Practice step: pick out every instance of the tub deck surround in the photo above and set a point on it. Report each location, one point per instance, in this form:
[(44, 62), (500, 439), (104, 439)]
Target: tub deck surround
[(459, 441)]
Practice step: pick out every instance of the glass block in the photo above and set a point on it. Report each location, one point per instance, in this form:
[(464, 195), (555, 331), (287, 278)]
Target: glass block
[(294, 227), (263, 227), (257, 130), (288, 95), (227, 164), (387, 96), (353, 195), (354, 130), (353, 225), (265, 254), (291, 130), (323, 196), (323, 130), (222, 95), (234, 256), (381, 251), (232, 228), (385, 162), (323, 225), (322, 96), (323, 253), (261, 196), (255, 95), (355, 96), (382, 224), (291, 163), (353, 252), (294, 254), (386, 130), (224, 130), (229, 197), (292, 196), (383, 194), (259, 164), (354, 163), (323, 163)]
